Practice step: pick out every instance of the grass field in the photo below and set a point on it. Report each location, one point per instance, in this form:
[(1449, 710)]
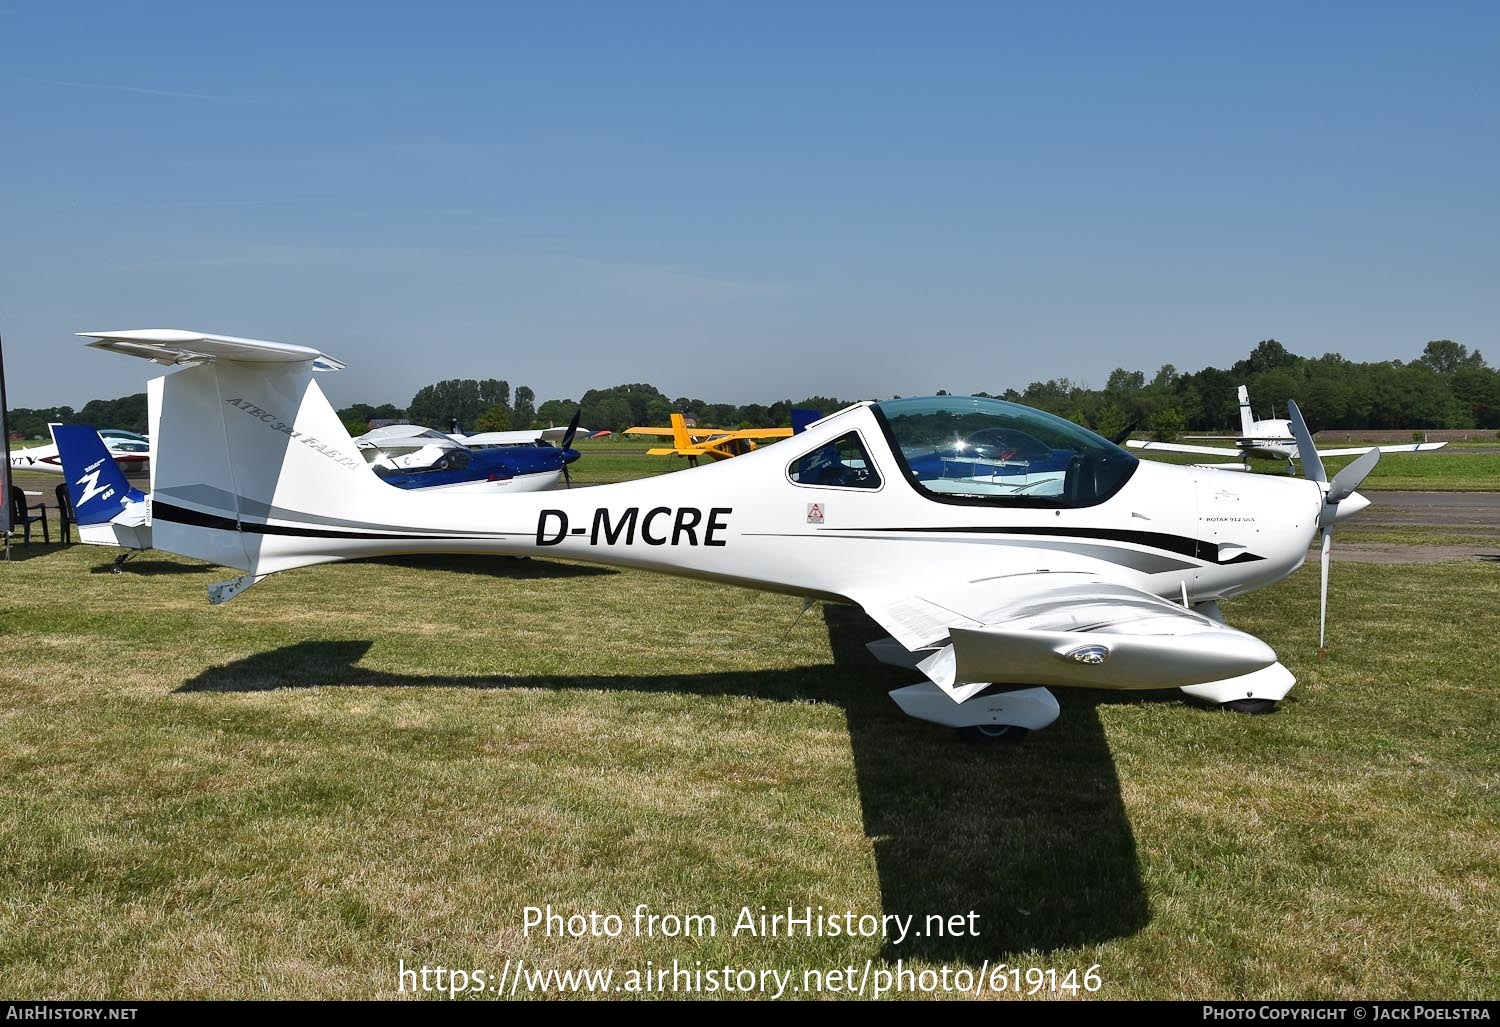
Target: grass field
[(359, 764)]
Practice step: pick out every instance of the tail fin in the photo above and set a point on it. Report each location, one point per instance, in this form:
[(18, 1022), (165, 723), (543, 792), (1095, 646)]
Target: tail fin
[(244, 437), (802, 417), (1247, 419), (254, 470), (95, 483), (680, 436)]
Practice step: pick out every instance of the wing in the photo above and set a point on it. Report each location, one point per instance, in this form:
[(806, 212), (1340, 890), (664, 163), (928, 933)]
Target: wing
[(1179, 447), (665, 433), (754, 433), (522, 437), (1062, 629), (1411, 447)]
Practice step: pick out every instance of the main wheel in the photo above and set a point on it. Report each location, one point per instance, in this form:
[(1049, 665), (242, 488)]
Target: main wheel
[(992, 734), (1251, 706)]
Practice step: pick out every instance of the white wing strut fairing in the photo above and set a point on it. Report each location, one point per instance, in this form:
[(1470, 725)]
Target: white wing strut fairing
[(1045, 556)]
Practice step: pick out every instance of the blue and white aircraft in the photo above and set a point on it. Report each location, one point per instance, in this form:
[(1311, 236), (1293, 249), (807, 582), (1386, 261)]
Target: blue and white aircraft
[(410, 456), (107, 509)]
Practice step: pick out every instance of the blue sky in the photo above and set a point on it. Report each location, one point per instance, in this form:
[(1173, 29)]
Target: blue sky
[(745, 202)]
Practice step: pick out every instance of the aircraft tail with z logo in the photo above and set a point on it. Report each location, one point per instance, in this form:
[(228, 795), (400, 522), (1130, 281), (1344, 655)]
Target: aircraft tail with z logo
[(95, 483), (107, 509)]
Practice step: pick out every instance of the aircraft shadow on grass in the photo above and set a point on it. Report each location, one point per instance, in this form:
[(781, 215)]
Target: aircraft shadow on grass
[(152, 568), (1034, 837), (510, 567)]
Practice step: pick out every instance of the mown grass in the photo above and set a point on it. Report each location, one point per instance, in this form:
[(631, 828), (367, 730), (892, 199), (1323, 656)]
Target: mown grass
[(1413, 536), (361, 763)]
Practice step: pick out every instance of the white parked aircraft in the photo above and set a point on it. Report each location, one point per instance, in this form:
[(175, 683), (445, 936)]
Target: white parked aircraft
[(129, 450), (1068, 562), (1272, 439), (410, 456)]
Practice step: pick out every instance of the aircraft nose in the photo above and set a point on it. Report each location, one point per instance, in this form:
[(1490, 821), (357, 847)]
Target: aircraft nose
[(1351, 505), (569, 455)]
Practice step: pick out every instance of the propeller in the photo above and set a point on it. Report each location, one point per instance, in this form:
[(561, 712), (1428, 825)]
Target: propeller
[(569, 454), (1335, 492), (1120, 437)]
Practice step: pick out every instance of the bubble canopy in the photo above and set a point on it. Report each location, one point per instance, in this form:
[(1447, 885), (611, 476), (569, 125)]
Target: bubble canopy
[(972, 450)]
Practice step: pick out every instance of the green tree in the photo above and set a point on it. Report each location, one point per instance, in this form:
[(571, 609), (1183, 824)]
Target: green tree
[(1110, 420), (457, 399), (1167, 425), (525, 409), (1447, 357), (556, 411), (495, 418)]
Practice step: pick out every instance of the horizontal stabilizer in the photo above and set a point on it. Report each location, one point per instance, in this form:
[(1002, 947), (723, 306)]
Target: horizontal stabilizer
[(171, 346)]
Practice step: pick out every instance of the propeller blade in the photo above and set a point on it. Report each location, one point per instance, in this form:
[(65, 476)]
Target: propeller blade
[(567, 476), (1323, 595), (567, 440), (1350, 478), (1312, 463), (1120, 438)]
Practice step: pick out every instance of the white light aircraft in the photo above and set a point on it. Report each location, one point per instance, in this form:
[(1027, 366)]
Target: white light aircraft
[(410, 456), (128, 449), (1073, 564), (1273, 439)]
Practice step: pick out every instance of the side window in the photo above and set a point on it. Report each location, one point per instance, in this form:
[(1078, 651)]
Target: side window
[(842, 463)]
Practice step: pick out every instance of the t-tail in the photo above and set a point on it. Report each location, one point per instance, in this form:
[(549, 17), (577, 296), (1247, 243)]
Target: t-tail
[(106, 507), (252, 468), (1247, 419)]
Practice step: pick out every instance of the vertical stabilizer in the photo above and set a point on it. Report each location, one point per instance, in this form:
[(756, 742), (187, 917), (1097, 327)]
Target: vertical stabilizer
[(95, 483), (680, 437), (1247, 419)]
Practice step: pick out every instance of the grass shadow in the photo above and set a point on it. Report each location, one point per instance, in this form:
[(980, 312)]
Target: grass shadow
[(22, 551), (151, 568), (1033, 839), (511, 567)]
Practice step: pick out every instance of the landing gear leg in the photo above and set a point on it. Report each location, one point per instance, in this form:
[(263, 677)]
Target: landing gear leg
[(118, 567)]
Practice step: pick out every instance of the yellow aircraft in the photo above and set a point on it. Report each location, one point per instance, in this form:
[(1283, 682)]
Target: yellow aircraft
[(714, 443)]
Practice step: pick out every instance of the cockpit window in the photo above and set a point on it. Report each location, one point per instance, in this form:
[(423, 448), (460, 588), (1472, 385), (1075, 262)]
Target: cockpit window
[(963, 449), (842, 463)]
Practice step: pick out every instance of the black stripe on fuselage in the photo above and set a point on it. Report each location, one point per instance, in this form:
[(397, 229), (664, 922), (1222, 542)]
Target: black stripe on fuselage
[(1198, 549), (182, 515)]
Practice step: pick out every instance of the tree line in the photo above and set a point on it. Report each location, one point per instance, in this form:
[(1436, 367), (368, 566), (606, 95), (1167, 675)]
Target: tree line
[(1448, 386)]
